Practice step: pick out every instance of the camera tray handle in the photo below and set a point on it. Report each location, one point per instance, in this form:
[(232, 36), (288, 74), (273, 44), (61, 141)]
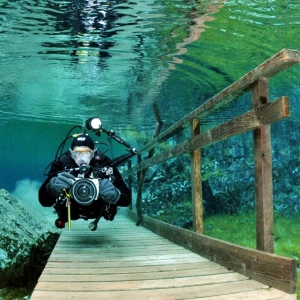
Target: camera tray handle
[(68, 203)]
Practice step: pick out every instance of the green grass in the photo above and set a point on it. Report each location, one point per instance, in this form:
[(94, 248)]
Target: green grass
[(240, 229)]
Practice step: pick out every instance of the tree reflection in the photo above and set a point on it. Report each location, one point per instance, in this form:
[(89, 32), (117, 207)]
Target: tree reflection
[(92, 22), (91, 25)]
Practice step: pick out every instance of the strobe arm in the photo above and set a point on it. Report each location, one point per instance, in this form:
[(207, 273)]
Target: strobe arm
[(121, 159), (94, 124), (113, 135)]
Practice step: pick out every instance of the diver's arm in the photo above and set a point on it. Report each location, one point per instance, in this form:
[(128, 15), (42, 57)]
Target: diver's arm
[(45, 198), (125, 198)]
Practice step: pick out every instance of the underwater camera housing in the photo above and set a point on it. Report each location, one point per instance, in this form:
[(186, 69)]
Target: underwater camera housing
[(85, 190)]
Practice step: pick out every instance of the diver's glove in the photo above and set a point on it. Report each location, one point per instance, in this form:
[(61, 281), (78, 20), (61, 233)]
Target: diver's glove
[(108, 192), (56, 185)]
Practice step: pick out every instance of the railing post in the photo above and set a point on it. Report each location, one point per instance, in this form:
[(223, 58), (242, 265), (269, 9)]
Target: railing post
[(130, 183), (139, 193), (196, 180), (263, 174)]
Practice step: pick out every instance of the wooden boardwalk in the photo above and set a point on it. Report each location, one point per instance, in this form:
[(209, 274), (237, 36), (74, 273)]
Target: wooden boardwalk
[(123, 261)]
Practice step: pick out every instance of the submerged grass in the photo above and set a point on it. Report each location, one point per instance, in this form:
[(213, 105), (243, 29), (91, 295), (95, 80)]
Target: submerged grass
[(240, 229)]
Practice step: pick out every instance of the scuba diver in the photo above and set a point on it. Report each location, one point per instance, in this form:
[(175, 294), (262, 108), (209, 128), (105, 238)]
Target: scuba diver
[(85, 183)]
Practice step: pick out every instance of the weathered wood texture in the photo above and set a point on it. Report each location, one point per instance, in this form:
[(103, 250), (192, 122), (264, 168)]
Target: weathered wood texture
[(263, 173), (196, 179), (124, 261), (279, 62), (273, 270), (268, 113)]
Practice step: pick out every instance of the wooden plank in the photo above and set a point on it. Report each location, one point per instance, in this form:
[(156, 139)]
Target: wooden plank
[(88, 268), (115, 264), (137, 251), (110, 239), (99, 283), (270, 269), (126, 262), (90, 256), (158, 275), (268, 113), (263, 173), (274, 65), (176, 292), (116, 254), (263, 294)]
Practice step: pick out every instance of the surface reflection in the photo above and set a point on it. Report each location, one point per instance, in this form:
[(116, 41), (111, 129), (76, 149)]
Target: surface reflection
[(109, 58), (90, 24)]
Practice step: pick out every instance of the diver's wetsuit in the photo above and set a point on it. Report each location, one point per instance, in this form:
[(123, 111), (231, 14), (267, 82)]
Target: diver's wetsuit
[(98, 206)]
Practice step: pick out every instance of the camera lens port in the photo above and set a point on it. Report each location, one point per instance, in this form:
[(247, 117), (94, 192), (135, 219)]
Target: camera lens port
[(84, 191)]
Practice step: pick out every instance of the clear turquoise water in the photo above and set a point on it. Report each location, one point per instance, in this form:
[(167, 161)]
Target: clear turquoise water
[(174, 53)]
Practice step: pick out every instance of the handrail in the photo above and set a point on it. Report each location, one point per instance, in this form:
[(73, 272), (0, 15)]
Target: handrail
[(274, 65), (262, 113), (268, 113), (258, 120)]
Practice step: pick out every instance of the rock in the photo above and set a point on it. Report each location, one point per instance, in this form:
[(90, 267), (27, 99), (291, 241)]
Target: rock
[(26, 241)]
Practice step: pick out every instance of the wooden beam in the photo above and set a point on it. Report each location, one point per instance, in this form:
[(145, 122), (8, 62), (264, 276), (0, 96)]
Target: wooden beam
[(130, 182), (196, 179), (274, 270), (263, 173), (268, 113), (138, 203), (274, 65)]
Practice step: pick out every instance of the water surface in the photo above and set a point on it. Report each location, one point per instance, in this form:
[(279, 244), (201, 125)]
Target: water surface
[(64, 61)]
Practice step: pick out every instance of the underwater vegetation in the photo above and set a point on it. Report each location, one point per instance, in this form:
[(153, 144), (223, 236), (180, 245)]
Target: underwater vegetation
[(228, 184), (228, 192), (240, 229)]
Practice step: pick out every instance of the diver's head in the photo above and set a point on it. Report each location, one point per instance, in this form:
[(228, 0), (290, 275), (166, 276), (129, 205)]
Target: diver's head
[(82, 149)]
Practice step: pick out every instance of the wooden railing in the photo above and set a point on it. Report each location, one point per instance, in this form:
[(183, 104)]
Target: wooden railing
[(268, 268)]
